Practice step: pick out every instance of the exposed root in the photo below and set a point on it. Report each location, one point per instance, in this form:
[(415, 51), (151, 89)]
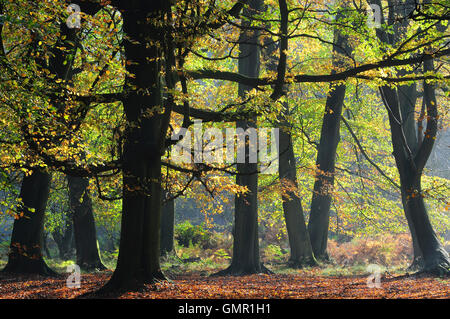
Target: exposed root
[(27, 266), (416, 265)]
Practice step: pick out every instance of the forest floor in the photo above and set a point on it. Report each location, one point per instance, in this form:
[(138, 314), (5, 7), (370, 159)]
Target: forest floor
[(303, 284)]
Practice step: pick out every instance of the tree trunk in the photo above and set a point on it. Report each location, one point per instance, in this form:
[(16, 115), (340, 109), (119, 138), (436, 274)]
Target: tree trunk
[(433, 257), (45, 244), (85, 234), (139, 250), (326, 157), (26, 240), (25, 255), (410, 155), (63, 237), (299, 242), (407, 96), (246, 259), (410, 163), (167, 227), (298, 235)]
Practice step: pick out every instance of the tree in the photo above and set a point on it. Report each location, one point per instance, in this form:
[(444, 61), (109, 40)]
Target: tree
[(245, 259), (26, 240), (412, 151), (299, 240), (326, 152), (25, 254), (301, 253)]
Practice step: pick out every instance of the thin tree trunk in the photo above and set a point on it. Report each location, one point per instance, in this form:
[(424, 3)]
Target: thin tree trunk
[(45, 244), (25, 255), (85, 234), (301, 253), (407, 96)]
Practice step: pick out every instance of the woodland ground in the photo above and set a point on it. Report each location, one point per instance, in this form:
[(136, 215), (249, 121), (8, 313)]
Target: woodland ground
[(296, 284), (190, 269)]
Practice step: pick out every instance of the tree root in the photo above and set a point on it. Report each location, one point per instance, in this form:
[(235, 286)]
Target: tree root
[(27, 266)]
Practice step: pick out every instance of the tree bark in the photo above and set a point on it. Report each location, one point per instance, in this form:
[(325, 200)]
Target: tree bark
[(326, 156), (139, 250), (85, 234), (25, 255), (407, 96), (299, 242)]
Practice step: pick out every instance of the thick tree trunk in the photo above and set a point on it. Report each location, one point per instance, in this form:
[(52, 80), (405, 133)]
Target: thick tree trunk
[(167, 227), (139, 251), (25, 254), (246, 259), (299, 242), (326, 156), (85, 234)]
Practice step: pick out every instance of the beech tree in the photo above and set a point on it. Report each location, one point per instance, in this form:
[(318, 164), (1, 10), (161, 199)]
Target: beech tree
[(326, 152), (412, 148), (26, 241)]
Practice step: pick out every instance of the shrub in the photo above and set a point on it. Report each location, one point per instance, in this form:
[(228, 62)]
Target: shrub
[(187, 234), (384, 250), (274, 253)]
